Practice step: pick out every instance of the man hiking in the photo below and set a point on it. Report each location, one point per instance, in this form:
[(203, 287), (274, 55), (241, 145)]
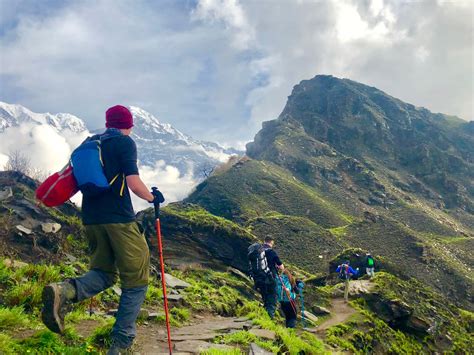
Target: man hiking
[(345, 273), (269, 293), (115, 243), (369, 265)]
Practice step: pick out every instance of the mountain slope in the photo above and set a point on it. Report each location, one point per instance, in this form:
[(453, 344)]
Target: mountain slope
[(388, 177)]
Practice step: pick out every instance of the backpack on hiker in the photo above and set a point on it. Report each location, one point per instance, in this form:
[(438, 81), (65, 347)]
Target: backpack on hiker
[(58, 188), (84, 172), (344, 272), (258, 264), (370, 261), (284, 289), (88, 165)]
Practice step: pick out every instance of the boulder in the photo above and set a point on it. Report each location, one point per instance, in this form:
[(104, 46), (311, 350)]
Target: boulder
[(50, 227), (263, 333), (310, 316), (320, 310), (176, 300), (14, 263), (257, 350), (174, 282), (6, 193), (418, 325)]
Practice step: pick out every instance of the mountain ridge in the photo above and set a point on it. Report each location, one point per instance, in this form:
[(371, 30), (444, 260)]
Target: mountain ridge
[(155, 140), (401, 177)]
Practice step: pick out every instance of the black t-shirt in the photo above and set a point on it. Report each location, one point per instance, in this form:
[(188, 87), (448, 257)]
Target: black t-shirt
[(119, 155), (272, 258)]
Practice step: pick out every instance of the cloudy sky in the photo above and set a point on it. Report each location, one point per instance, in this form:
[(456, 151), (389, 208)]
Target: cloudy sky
[(216, 69)]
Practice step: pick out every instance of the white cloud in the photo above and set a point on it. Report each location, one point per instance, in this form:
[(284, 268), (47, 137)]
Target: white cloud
[(3, 161), (47, 150), (231, 13), (168, 179), (216, 69)]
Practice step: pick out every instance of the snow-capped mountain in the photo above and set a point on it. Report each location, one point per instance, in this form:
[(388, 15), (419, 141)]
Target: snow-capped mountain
[(156, 141), (161, 141), (14, 115)]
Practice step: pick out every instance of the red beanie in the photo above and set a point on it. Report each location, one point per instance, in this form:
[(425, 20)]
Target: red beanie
[(118, 117)]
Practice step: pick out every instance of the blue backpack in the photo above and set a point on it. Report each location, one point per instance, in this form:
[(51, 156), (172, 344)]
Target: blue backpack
[(284, 288), (88, 166)]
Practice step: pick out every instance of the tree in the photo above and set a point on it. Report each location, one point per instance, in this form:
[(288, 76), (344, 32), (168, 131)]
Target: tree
[(17, 161)]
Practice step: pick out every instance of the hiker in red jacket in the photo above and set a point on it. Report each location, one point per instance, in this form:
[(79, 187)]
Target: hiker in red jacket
[(117, 247)]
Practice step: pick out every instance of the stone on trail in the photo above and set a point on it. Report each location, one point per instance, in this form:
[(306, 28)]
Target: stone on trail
[(310, 316), (174, 282), (176, 299), (196, 346), (263, 333), (320, 310), (257, 350)]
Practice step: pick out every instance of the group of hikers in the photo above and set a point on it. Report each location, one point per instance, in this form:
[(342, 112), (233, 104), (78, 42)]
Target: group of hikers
[(277, 285), (117, 247)]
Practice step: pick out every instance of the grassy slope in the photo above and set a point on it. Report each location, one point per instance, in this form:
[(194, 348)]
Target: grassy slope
[(252, 188)]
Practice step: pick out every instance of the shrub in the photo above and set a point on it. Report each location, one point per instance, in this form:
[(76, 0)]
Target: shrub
[(13, 318)]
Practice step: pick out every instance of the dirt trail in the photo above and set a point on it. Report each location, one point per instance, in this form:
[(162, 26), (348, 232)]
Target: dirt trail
[(340, 313)]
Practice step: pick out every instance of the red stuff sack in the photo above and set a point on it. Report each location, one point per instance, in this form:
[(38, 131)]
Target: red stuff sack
[(58, 188)]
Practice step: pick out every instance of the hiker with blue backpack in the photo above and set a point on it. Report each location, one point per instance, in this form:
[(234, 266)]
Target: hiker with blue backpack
[(264, 264), (105, 168), (287, 291), (346, 272)]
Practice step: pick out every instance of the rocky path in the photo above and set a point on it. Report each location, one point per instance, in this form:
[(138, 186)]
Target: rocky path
[(193, 338), (340, 310)]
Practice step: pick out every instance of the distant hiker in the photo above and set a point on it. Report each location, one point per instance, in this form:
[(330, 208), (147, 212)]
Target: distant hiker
[(263, 265), (370, 265), (345, 273), (286, 291), (116, 245)]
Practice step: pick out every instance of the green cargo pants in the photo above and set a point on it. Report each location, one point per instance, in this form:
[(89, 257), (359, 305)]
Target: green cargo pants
[(120, 247)]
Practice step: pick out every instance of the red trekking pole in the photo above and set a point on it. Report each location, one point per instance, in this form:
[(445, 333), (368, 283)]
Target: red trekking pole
[(162, 264)]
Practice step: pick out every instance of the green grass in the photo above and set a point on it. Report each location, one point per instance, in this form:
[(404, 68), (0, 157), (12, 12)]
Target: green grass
[(13, 318), (255, 188), (215, 351), (288, 340), (213, 291)]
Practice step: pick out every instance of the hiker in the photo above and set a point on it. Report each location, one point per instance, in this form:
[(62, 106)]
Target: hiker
[(345, 273), (274, 264), (369, 265), (263, 265), (286, 291), (116, 245)]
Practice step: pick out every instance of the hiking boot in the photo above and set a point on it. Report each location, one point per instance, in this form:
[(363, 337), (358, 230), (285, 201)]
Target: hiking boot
[(56, 300), (117, 350)]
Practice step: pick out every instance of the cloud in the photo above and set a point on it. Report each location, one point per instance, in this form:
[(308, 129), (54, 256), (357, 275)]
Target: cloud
[(231, 13), (216, 69), (168, 179), (47, 150)]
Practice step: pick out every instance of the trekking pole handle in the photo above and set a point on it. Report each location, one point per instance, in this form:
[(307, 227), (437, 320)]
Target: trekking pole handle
[(156, 204)]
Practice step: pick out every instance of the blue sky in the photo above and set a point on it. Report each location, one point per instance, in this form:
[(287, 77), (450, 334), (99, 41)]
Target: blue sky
[(216, 69)]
